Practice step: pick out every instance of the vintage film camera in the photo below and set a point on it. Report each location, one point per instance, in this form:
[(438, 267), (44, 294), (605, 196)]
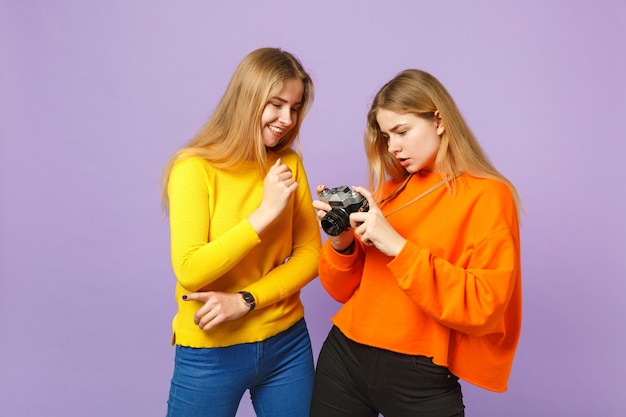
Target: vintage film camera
[(343, 201)]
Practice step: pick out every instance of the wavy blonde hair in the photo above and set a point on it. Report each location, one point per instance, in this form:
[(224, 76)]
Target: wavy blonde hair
[(417, 92), (233, 132)]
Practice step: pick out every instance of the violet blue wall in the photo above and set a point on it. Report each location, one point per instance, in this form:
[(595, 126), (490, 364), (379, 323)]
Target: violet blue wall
[(95, 95)]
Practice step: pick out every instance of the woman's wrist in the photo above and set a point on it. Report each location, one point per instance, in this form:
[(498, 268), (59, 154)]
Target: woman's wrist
[(346, 249)]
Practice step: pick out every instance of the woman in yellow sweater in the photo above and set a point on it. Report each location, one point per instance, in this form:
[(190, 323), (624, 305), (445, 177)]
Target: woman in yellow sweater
[(429, 276), (244, 241)]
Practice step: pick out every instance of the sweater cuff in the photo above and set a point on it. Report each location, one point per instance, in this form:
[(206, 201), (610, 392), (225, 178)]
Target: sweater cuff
[(341, 261), (409, 254)]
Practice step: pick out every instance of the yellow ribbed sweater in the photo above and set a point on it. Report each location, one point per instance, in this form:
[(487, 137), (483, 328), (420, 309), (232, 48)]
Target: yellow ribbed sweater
[(214, 248)]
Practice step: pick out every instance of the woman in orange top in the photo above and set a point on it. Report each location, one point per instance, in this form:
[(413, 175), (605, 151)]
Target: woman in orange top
[(429, 276)]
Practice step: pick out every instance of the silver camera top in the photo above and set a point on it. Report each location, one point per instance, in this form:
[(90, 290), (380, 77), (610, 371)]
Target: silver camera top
[(341, 196)]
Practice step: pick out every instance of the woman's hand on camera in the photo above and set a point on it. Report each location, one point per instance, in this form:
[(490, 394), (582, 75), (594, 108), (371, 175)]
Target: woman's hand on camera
[(373, 228), (278, 187), (342, 240), (218, 307)]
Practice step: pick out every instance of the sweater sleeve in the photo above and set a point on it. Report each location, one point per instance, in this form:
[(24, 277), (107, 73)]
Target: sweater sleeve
[(470, 298), (302, 265), (195, 261), (341, 274)]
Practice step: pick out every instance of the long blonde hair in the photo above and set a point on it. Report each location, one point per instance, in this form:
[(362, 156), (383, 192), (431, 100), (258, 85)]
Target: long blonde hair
[(417, 92), (233, 132)]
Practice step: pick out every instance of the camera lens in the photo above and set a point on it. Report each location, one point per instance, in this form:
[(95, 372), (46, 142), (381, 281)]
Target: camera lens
[(335, 222)]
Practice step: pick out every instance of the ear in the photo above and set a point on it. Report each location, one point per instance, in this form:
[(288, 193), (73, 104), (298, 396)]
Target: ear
[(439, 123)]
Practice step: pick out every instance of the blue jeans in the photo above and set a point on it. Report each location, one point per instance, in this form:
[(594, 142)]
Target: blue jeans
[(210, 382)]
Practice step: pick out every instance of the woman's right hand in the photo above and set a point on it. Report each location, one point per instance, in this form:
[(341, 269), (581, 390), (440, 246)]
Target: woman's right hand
[(218, 307), (342, 240)]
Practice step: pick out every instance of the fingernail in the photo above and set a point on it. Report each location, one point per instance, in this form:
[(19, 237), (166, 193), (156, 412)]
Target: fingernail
[(184, 297)]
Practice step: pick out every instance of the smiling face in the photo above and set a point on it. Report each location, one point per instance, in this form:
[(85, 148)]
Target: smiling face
[(414, 141), (280, 114)]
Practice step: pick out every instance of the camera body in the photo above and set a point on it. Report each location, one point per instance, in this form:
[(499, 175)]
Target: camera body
[(343, 201)]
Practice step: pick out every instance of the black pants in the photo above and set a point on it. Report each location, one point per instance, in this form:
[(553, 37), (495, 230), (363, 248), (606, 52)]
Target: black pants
[(362, 381)]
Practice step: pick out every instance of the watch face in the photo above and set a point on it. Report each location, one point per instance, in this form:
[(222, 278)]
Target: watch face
[(248, 299)]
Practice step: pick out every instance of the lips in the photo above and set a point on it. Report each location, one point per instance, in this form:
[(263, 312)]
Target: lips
[(276, 130)]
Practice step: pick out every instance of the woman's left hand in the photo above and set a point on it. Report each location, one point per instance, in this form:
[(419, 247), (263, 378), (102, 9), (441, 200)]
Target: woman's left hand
[(218, 307), (373, 228)]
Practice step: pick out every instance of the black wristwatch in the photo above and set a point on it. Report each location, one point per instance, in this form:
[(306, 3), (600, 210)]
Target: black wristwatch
[(248, 299)]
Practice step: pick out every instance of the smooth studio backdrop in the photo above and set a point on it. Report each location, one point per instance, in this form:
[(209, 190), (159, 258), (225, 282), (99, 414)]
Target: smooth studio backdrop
[(95, 96)]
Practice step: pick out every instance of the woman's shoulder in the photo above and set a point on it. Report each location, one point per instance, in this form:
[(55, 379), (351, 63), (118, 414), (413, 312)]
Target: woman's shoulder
[(486, 189), (192, 165), (491, 201), (189, 161), (483, 184)]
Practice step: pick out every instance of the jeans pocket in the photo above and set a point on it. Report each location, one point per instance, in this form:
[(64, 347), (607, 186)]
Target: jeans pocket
[(439, 376)]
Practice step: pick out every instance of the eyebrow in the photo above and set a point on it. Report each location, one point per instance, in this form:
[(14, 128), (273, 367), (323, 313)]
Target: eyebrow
[(396, 127), (282, 100)]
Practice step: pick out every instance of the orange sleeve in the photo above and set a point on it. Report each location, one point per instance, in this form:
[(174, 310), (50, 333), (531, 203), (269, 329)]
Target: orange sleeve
[(472, 294), (470, 300), (341, 274)]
